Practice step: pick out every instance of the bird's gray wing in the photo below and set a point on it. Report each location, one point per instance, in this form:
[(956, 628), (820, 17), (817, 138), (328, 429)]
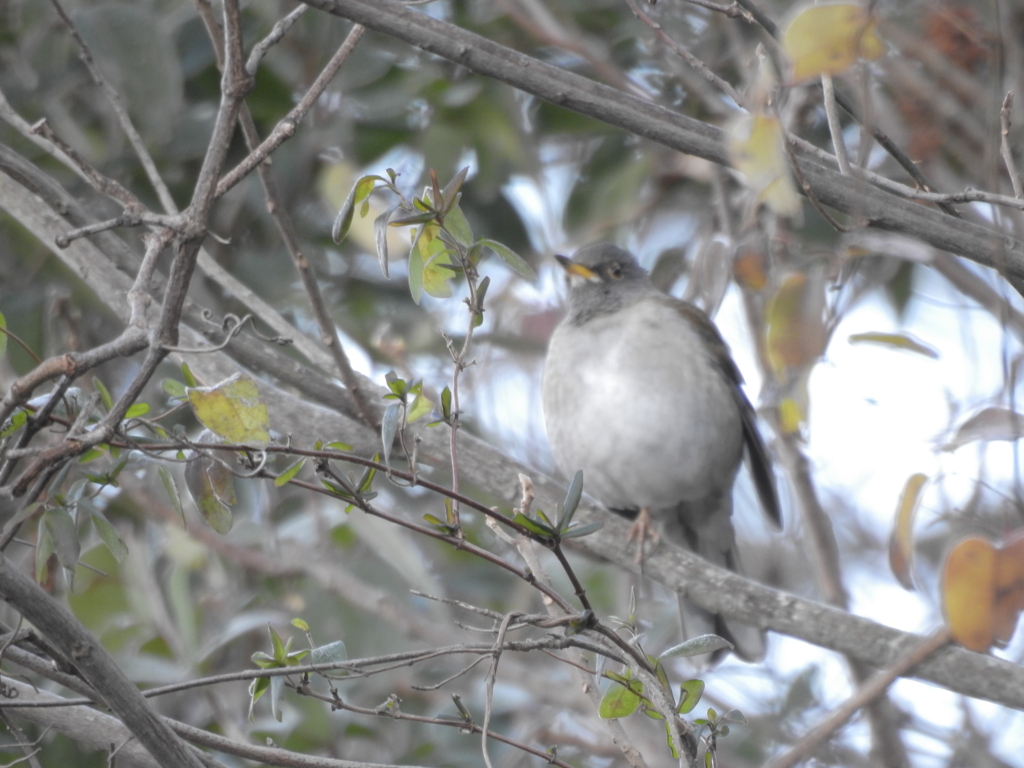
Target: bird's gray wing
[(757, 452)]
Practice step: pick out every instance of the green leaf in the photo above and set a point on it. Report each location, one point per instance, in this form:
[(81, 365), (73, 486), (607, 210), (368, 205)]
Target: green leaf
[(257, 688), (263, 661), (289, 473), (481, 292), (466, 716), (234, 409), (364, 188), (533, 526), (366, 481), (16, 422), (44, 548), (456, 223), (300, 624), (621, 700), (735, 716), (91, 455), (276, 686), (416, 269), (436, 258), (62, 529), (136, 410), (389, 429), (174, 388), (24, 514), (660, 673), (3, 335), (171, 489), (330, 653), (190, 379), (336, 489), (572, 501), (449, 513), (343, 221), (576, 530), (212, 488), (420, 407), (110, 536), (420, 217), (108, 401), (511, 258), (449, 195), (697, 646), (380, 238), (277, 645), (672, 742), (337, 445), (397, 386), (446, 403), (689, 694)]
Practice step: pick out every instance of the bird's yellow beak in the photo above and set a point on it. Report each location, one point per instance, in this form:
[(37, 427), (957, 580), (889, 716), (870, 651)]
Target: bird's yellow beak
[(576, 270)]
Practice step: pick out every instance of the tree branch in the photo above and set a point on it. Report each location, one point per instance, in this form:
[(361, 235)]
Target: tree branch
[(874, 207)]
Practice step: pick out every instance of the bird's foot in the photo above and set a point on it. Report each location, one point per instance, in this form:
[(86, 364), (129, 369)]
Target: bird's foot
[(642, 530)]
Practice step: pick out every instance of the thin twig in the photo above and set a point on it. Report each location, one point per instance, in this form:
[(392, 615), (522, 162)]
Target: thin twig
[(1004, 145), (286, 127), (492, 675), (276, 35), (733, 11), (880, 136), (328, 329), (100, 183), (588, 681), (688, 57), (835, 128), (119, 110), (868, 692)]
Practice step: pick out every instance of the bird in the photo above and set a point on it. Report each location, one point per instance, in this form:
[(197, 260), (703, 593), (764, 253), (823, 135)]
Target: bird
[(641, 393)]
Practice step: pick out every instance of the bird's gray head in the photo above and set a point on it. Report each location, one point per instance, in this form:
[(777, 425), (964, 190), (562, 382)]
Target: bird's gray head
[(603, 279)]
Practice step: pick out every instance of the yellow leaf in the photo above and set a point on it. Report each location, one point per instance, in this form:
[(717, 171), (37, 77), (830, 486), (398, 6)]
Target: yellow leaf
[(901, 541), (234, 410), (795, 332), (828, 39), (212, 488), (896, 341), (968, 593), (756, 150), (434, 255), (749, 268), (791, 415), (1009, 589)]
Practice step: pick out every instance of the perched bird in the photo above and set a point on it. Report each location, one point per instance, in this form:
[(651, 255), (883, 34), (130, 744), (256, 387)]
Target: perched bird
[(641, 393)]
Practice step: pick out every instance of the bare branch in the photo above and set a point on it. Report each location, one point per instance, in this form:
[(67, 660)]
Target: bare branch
[(869, 691), (979, 243), (1004, 146)]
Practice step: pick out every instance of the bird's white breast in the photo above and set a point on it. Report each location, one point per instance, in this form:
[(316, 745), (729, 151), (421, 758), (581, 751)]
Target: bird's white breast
[(647, 415)]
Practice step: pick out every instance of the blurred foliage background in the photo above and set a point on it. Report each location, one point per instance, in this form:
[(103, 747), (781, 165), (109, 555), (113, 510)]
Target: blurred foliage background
[(187, 602)]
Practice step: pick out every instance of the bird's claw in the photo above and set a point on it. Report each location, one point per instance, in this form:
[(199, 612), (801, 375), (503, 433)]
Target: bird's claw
[(642, 530)]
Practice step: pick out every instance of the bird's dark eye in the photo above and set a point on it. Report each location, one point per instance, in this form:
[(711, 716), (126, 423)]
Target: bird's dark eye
[(615, 271)]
